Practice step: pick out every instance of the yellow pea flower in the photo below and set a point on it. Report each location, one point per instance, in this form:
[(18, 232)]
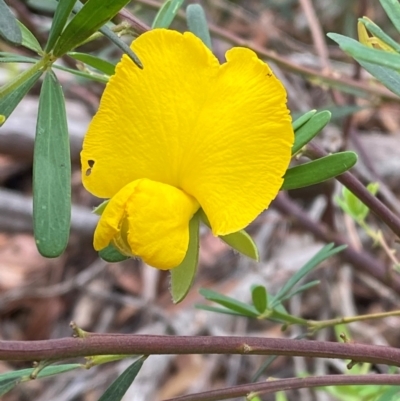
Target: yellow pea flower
[(184, 133)]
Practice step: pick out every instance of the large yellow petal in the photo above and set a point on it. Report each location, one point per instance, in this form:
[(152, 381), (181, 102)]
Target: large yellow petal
[(221, 133), (150, 220)]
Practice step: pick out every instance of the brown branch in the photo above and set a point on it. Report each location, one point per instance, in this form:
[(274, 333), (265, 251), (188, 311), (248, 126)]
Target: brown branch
[(358, 189), (362, 261), (126, 344), (274, 385)]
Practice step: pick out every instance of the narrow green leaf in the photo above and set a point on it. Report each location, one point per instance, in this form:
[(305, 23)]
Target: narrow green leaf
[(387, 76), (301, 289), (243, 243), (326, 252), (9, 29), (318, 170), (364, 53), (392, 9), (93, 15), (9, 102), (102, 65), (7, 385), (6, 57), (91, 76), (392, 394), (302, 119), (114, 38), (28, 39), (166, 14), (218, 310), (120, 386), (310, 129), (197, 23), (51, 171), (230, 303), (380, 34), (45, 6), (112, 255), (60, 18), (260, 298), (183, 275)]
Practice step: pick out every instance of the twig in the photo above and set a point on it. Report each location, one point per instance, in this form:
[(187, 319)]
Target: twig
[(273, 385), (362, 261), (358, 189), (127, 344)]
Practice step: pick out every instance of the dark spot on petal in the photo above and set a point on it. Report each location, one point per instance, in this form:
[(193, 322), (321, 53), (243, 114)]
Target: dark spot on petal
[(91, 163), (88, 171)]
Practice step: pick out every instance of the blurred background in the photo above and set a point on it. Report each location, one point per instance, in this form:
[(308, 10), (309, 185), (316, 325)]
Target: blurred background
[(39, 297)]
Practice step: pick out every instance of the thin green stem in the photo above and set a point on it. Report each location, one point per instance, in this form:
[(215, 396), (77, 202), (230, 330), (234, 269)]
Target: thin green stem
[(24, 76)]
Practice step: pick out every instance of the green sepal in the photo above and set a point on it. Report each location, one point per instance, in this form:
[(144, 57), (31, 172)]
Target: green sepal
[(102, 65), (51, 171), (307, 131), (239, 241), (259, 297), (166, 14), (319, 170), (100, 208), (182, 276), (111, 254), (9, 102), (9, 29), (197, 23), (92, 16)]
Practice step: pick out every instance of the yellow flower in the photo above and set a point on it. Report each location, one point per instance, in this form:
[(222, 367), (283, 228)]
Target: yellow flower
[(183, 133)]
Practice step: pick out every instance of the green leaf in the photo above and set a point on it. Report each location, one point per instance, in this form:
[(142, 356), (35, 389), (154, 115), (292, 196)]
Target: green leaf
[(45, 6), (28, 39), (183, 275), (364, 53), (120, 386), (197, 23), (243, 243), (392, 9), (218, 310), (260, 298), (379, 33), (51, 171), (230, 303), (9, 29), (326, 252), (307, 131), (318, 170), (6, 57), (7, 385), (112, 255), (392, 394), (93, 15), (9, 102), (102, 65), (301, 289), (166, 14), (387, 76), (9, 380), (114, 38), (60, 18), (302, 119), (87, 75)]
